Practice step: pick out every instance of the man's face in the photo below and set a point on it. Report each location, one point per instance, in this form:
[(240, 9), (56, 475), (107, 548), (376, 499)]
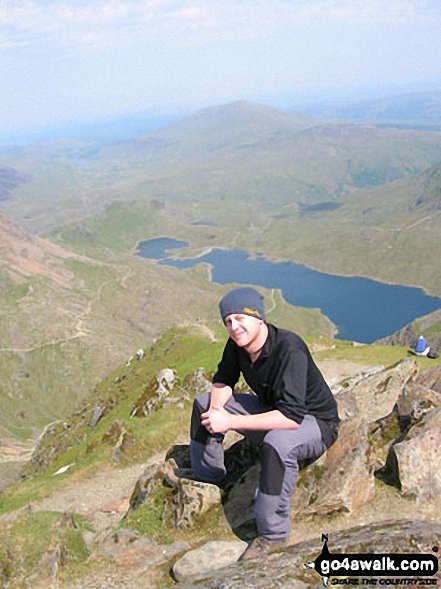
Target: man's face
[(243, 329)]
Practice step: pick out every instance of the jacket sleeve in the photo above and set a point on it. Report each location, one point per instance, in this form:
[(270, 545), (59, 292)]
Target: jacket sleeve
[(290, 384), (228, 370)]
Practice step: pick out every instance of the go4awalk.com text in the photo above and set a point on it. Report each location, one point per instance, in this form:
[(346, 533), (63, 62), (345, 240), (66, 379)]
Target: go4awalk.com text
[(414, 570)]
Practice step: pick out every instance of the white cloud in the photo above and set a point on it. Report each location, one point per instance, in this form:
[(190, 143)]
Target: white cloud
[(68, 21), (372, 11)]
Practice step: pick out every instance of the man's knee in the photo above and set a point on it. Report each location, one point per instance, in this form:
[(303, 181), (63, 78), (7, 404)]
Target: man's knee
[(272, 472), (203, 401), (197, 431)]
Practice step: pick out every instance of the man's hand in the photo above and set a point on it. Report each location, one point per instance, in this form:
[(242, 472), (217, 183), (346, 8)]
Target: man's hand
[(217, 420)]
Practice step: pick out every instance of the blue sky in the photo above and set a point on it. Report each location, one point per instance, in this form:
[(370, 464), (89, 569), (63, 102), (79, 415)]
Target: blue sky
[(70, 60)]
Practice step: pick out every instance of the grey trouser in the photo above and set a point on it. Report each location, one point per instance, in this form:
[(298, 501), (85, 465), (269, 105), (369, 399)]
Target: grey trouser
[(280, 453)]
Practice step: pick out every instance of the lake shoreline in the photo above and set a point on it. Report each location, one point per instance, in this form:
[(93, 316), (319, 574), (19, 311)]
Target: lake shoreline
[(363, 309), (276, 260)]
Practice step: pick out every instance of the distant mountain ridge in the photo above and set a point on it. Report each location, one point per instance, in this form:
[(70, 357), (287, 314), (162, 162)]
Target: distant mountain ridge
[(215, 128), (417, 109), (236, 151), (245, 151)]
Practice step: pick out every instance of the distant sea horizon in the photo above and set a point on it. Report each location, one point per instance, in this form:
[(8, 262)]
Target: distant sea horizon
[(102, 129)]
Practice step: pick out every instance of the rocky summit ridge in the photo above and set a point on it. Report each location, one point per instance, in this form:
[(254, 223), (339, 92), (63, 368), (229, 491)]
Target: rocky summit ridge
[(365, 494)]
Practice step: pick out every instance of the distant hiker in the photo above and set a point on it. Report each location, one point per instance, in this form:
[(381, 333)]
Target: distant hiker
[(293, 416), (422, 348)]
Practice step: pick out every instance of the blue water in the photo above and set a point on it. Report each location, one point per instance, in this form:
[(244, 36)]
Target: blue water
[(363, 310), (157, 249)]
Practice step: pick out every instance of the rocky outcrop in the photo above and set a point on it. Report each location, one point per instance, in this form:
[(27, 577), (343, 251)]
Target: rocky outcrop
[(155, 392), (287, 570), (130, 548), (343, 479), (431, 379), (192, 500), (373, 395), (212, 556), (385, 412), (419, 458), (166, 389)]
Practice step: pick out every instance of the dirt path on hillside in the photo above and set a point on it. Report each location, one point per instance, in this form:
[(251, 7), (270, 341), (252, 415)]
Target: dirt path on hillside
[(103, 499)]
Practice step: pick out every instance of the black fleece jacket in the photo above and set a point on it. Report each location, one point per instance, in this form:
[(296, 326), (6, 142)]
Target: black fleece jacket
[(284, 377)]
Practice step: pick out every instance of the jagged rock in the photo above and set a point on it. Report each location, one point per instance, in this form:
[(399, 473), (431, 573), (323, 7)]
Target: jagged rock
[(130, 548), (199, 382), (286, 570), (158, 393), (193, 384), (155, 393), (342, 479), (119, 437), (416, 400), (98, 412), (431, 379), (200, 563), (382, 434), (151, 477), (375, 395), (192, 499), (419, 458)]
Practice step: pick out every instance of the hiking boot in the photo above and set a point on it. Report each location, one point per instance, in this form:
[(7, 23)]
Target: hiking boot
[(189, 474), (260, 546)]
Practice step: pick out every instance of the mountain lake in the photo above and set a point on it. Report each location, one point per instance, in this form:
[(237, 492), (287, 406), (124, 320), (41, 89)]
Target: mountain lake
[(363, 310)]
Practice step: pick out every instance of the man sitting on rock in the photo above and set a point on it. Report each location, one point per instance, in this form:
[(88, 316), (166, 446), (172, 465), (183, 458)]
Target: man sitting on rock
[(293, 416)]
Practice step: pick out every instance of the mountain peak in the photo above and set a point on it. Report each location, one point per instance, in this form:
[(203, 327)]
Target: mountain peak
[(225, 126), (243, 113)]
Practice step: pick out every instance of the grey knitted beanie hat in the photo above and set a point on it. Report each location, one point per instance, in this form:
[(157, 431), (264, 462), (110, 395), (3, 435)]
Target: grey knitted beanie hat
[(245, 300)]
